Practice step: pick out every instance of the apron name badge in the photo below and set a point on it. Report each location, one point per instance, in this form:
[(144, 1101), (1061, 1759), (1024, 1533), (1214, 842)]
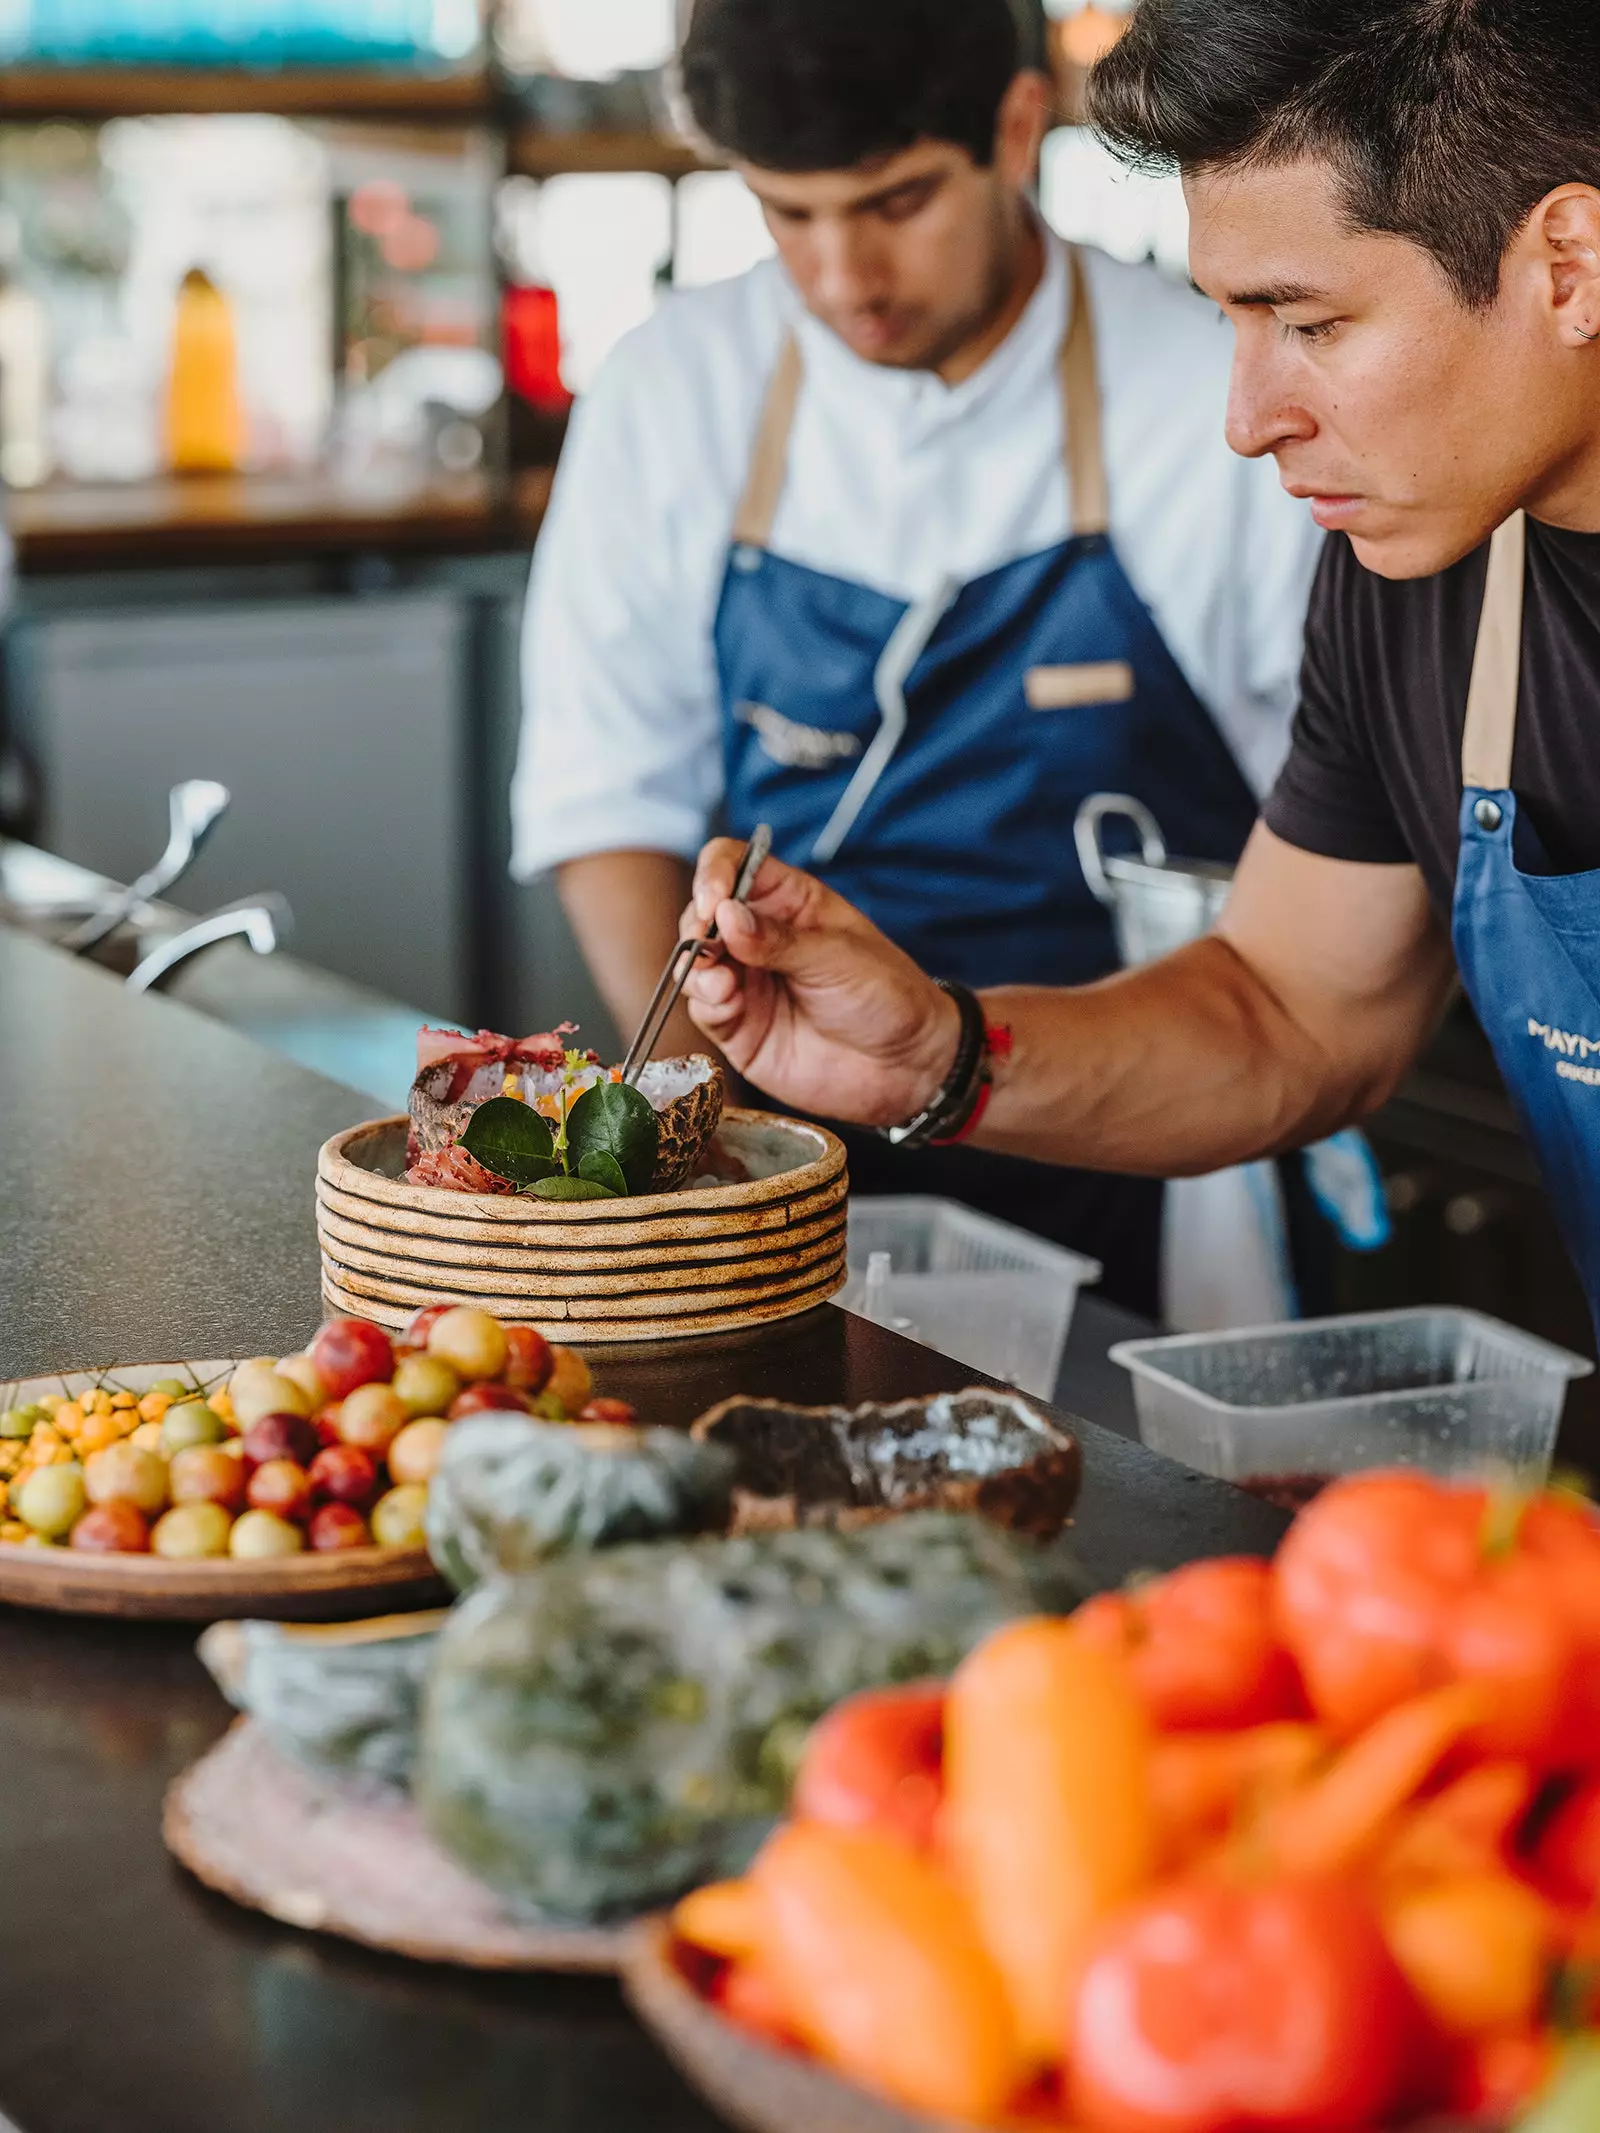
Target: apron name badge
[(795, 746)]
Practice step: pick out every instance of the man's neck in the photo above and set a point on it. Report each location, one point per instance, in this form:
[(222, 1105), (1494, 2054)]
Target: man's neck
[(1021, 269)]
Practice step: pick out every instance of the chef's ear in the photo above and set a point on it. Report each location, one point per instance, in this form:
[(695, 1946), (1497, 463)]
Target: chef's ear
[(1565, 227), (1027, 113)]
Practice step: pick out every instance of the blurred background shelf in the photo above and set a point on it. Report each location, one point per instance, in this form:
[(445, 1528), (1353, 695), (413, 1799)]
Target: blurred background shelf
[(93, 93), (541, 152)]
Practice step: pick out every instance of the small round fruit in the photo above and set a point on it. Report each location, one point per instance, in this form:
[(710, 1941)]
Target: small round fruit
[(281, 1437), (349, 1352), (471, 1340), (372, 1418), (17, 1423), (616, 1412), (193, 1423), (260, 1536), (270, 1393), (327, 1427), (489, 1400), (301, 1370), (127, 1473), (112, 1529), (191, 1532), (338, 1526), (529, 1359), (147, 1438), (425, 1385), (281, 1487), (417, 1450), (415, 1337), (343, 1473), (397, 1518), (206, 1473), (571, 1381), (51, 1500), (174, 1388)]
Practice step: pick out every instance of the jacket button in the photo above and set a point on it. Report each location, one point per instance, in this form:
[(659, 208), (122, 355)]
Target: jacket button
[(1487, 815)]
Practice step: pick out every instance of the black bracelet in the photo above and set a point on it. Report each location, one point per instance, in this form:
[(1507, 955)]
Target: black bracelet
[(953, 1106)]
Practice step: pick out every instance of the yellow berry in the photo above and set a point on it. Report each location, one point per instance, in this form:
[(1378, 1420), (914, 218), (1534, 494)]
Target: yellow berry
[(123, 1399), (221, 1403), (154, 1405), (50, 1401), (147, 1436), (97, 1402), (14, 1531), (98, 1432), (68, 1417)]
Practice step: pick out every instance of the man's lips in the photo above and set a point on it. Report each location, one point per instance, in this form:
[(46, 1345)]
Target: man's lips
[(1331, 508)]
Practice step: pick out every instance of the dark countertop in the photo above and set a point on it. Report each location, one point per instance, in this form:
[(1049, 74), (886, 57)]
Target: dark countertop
[(155, 1201)]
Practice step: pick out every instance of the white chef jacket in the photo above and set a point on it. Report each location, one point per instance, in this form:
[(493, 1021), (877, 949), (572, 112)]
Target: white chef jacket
[(896, 481)]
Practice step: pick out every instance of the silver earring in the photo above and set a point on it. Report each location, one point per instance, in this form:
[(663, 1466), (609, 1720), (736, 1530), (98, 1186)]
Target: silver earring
[(1582, 336)]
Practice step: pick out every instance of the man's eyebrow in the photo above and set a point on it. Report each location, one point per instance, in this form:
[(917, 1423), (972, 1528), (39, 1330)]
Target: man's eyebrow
[(873, 201), (1274, 294)]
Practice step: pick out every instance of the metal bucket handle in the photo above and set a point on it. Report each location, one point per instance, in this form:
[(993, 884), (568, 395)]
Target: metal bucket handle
[(1091, 854)]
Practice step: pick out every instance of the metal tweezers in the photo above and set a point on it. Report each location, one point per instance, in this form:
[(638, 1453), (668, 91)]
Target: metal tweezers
[(684, 957)]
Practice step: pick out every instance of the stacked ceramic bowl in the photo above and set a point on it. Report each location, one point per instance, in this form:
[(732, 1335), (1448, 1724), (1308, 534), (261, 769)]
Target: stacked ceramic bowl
[(665, 1266)]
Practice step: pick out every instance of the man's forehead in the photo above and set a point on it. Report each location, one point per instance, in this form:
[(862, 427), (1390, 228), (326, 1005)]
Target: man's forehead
[(1270, 233), (833, 190)]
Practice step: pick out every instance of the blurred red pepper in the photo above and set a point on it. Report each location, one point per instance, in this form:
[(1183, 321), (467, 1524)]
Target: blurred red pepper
[(876, 1762), (1202, 1646), (1212, 2007)]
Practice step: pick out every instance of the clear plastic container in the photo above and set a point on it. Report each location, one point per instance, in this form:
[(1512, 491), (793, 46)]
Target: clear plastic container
[(1449, 1391), (988, 1294)]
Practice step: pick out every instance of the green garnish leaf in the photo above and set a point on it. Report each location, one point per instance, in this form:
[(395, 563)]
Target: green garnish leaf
[(603, 1169), (561, 1187), (615, 1120), (510, 1139)]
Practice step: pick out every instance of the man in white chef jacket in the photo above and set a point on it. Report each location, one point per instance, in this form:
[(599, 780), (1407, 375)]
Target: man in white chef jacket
[(906, 542)]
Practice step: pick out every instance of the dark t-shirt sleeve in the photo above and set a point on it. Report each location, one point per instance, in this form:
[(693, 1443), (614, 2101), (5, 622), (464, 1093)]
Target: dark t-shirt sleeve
[(1330, 798)]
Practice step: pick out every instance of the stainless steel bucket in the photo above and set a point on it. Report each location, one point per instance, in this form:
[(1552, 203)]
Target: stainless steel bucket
[(1156, 903)]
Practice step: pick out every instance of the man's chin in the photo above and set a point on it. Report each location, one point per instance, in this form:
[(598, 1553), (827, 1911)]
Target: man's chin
[(1402, 551)]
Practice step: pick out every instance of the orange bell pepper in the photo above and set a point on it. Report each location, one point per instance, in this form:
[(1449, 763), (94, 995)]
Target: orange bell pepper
[(1048, 1822), (724, 1919), (1467, 1828), (1476, 1950), (881, 1970), (1201, 1783)]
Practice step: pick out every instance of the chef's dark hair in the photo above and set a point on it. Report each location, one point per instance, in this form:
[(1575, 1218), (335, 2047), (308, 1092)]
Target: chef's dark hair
[(812, 85), (1448, 121)]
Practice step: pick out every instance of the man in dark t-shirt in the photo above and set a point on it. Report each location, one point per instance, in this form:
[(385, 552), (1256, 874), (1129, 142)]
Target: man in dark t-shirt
[(1398, 208)]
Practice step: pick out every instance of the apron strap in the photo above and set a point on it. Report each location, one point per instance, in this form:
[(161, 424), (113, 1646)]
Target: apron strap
[(1081, 414), (1082, 429), (1491, 729), (769, 466)]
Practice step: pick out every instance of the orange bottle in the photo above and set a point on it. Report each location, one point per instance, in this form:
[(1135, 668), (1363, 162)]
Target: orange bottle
[(204, 418)]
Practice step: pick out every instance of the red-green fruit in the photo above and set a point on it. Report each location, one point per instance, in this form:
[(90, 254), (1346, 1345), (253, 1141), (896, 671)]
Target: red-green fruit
[(470, 1340), (571, 1381), (112, 1529), (489, 1400), (372, 1418), (349, 1352), (205, 1473), (416, 1452), (302, 1371), (193, 1423), (416, 1334), (338, 1526), (529, 1359), (425, 1385), (281, 1487), (128, 1473), (281, 1437), (345, 1474), (268, 1392), (260, 1536), (51, 1500), (192, 1532), (397, 1519), (616, 1412), (327, 1427)]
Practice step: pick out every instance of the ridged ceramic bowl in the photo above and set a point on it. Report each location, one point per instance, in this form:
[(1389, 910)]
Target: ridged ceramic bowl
[(659, 1267)]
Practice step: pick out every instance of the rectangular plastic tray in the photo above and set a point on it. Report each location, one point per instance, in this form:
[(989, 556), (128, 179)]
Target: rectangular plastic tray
[(982, 1291), (1446, 1390)]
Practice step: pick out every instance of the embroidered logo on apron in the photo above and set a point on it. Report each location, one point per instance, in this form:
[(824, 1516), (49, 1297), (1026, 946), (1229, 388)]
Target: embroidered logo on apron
[(1571, 1047), (795, 746)]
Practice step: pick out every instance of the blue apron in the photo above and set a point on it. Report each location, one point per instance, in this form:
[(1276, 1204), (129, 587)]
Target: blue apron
[(928, 761), (1527, 941)]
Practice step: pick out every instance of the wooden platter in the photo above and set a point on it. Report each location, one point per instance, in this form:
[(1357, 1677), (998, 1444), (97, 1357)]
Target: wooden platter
[(764, 2090), (663, 1266), (330, 1857), (296, 1588)]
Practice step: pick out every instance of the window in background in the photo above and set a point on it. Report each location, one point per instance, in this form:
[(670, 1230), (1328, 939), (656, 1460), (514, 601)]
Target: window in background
[(241, 32), (586, 63), (721, 229), (1090, 198)]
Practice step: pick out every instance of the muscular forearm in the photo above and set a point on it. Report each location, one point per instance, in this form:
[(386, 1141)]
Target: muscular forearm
[(1180, 1068), (623, 907)]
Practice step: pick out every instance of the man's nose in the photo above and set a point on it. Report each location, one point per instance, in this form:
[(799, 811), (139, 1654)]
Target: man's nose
[(844, 268), (1263, 412)]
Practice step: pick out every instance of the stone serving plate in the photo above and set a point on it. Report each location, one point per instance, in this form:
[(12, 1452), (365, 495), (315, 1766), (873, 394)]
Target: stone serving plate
[(706, 1259), (975, 1451)]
